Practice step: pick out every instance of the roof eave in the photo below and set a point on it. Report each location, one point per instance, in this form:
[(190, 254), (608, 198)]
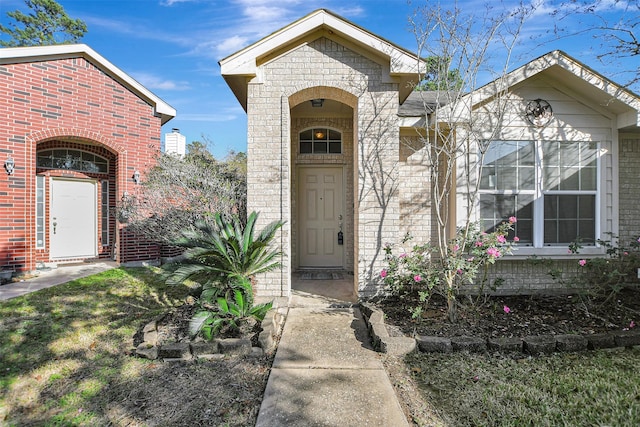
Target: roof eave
[(245, 63)]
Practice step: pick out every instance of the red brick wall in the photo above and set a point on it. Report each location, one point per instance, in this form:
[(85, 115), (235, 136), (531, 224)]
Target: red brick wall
[(68, 103)]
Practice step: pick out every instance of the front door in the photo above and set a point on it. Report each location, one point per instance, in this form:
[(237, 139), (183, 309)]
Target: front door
[(320, 216), (73, 219)]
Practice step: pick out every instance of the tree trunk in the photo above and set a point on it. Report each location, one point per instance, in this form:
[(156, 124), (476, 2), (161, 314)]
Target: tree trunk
[(452, 304)]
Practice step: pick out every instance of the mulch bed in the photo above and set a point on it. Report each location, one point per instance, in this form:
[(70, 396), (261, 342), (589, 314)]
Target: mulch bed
[(516, 316)]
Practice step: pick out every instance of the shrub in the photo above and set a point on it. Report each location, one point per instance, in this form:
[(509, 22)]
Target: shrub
[(224, 258), (219, 254), (228, 313), (604, 277), (469, 255)]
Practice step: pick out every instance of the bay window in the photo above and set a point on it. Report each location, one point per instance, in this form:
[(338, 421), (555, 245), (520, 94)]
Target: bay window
[(551, 187)]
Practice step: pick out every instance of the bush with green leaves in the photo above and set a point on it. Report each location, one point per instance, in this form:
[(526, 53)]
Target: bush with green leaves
[(469, 255), (229, 313), (224, 257), (217, 254), (604, 277)]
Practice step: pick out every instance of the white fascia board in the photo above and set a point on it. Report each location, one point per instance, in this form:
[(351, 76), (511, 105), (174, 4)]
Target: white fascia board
[(561, 59), (43, 53), (629, 119), (244, 62)]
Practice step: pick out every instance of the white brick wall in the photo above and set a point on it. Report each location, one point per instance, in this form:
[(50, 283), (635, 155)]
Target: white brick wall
[(325, 69)]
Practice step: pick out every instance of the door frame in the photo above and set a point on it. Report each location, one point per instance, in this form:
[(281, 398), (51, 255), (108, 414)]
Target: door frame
[(94, 218), (343, 201)]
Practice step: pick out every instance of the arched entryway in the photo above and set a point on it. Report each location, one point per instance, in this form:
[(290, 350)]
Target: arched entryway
[(323, 156), (76, 183)]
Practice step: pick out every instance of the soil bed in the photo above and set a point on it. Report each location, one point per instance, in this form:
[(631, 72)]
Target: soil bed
[(174, 327), (516, 316)]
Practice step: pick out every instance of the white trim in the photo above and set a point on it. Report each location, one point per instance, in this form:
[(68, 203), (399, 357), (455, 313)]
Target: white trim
[(41, 183), (537, 247), (623, 103), (244, 62)]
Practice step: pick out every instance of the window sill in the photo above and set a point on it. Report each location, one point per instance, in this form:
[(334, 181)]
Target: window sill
[(555, 252)]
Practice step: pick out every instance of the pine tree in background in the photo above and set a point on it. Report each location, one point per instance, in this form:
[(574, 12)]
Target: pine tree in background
[(46, 24)]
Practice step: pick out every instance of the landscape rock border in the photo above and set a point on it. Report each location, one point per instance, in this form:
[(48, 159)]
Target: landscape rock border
[(218, 348), (385, 342)]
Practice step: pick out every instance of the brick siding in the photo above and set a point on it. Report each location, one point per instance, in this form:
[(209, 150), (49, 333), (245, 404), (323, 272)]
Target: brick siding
[(69, 103)]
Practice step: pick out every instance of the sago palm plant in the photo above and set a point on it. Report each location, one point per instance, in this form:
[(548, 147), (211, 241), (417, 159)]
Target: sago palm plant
[(221, 254), (231, 313)]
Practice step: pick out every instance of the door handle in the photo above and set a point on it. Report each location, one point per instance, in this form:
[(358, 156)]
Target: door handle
[(54, 225)]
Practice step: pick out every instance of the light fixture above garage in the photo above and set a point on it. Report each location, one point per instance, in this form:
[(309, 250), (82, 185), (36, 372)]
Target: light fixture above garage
[(317, 103)]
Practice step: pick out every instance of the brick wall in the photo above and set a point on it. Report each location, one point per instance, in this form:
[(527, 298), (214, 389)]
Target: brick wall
[(629, 184), (325, 69), (68, 103)]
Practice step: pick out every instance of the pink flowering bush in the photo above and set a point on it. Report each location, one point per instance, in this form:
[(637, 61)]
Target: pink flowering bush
[(468, 258)]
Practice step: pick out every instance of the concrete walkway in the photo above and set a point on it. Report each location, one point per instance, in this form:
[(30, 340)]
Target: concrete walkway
[(53, 277), (325, 372)]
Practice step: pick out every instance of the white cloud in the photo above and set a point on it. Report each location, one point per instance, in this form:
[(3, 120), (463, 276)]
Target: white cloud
[(151, 81), (231, 44), (244, 22), (350, 12)]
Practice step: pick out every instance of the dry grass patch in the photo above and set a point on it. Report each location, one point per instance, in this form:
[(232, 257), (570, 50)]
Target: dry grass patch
[(66, 357)]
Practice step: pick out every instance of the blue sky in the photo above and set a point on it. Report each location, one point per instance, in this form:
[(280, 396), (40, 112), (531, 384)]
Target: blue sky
[(173, 46)]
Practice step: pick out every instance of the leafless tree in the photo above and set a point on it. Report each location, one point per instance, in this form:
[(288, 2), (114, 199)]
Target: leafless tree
[(612, 24), (474, 46), (179, 191)]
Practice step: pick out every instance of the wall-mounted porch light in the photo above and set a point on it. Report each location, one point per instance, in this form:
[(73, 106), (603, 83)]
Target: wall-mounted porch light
[(136, 177), (9, 165), (317, 102)]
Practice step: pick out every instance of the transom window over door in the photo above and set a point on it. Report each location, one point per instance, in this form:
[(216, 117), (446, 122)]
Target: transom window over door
[(550, 186), (320, 141), (62, 158)]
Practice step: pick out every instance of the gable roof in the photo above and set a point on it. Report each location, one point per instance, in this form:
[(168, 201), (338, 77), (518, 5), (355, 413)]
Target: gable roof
[(238, 68), (14, 55), (578, 77)]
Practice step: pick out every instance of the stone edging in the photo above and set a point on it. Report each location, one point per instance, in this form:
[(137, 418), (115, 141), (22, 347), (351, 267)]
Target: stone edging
[(534, 345), (217, 348)]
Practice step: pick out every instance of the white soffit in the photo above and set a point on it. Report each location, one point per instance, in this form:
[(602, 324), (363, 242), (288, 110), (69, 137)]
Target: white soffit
[(14, 55)]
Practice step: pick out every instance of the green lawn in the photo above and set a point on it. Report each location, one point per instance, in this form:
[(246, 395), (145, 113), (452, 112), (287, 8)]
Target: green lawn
[(66, 360), (594, 388)]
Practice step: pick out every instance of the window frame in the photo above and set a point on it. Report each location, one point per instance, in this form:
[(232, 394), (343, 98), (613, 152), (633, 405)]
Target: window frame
[(103, 160), (40, 214), (104, 212), (315, 140), (537, 246)]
